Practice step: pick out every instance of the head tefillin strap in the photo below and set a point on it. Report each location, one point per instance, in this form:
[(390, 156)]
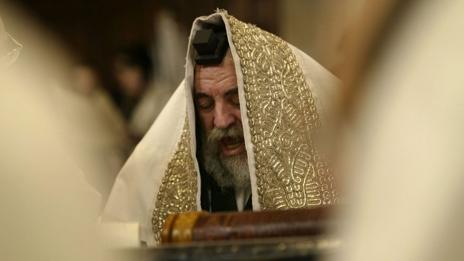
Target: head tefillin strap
[(210, 44)]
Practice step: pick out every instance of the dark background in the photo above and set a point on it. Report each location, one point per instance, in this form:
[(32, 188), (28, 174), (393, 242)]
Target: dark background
[(93, 30)]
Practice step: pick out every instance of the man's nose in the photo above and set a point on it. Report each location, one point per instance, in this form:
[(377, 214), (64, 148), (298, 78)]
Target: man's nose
[(223, 116)]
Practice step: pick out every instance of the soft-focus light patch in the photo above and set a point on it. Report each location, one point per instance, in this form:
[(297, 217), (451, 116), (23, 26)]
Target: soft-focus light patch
[(9, 47)]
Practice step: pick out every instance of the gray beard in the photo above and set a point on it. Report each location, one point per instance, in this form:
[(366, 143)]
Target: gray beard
[(231, 171)]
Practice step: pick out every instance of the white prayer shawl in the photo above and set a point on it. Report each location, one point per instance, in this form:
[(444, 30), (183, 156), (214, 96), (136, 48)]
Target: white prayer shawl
[(162, 175)]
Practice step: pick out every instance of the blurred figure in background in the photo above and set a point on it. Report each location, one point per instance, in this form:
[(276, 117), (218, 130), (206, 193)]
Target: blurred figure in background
[(87, 82), (90, 128), (146, 88), (141, 99), (133, 67), (94, 127), (49, 211), (404, 168), (170, 49)]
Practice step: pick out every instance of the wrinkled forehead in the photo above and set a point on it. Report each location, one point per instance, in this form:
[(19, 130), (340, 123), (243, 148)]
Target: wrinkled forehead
[(215, 79), (227, 65)]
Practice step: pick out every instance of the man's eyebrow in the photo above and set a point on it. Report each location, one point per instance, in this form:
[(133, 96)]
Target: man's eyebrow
[(231, 92), (200, 95)]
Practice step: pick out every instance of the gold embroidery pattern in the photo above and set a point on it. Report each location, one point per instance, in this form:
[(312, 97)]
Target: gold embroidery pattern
[(178, 189), (282, 115)]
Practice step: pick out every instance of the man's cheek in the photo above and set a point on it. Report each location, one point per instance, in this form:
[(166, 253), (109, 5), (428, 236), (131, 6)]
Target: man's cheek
[(207, 122), (238, 115)]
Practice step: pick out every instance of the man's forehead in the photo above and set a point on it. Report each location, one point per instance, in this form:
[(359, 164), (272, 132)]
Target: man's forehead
[(212, 76), (215, 71)]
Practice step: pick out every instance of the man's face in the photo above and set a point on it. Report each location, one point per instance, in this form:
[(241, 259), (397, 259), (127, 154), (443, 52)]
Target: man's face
[(217, 104)]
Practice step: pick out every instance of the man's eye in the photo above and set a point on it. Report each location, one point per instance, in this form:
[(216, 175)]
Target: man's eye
[(234, 99), (205, 103)]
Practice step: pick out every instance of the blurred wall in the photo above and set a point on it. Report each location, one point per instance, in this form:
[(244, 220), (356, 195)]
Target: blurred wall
[(92, 30), (318, 27)]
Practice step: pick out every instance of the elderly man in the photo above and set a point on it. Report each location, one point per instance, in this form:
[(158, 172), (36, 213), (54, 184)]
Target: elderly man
[(237, 134)]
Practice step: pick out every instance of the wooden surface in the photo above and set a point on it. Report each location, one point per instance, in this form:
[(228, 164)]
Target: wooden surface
[(204, 227)]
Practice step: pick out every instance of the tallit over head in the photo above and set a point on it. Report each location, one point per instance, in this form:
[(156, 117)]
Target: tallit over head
[(283, 95)]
